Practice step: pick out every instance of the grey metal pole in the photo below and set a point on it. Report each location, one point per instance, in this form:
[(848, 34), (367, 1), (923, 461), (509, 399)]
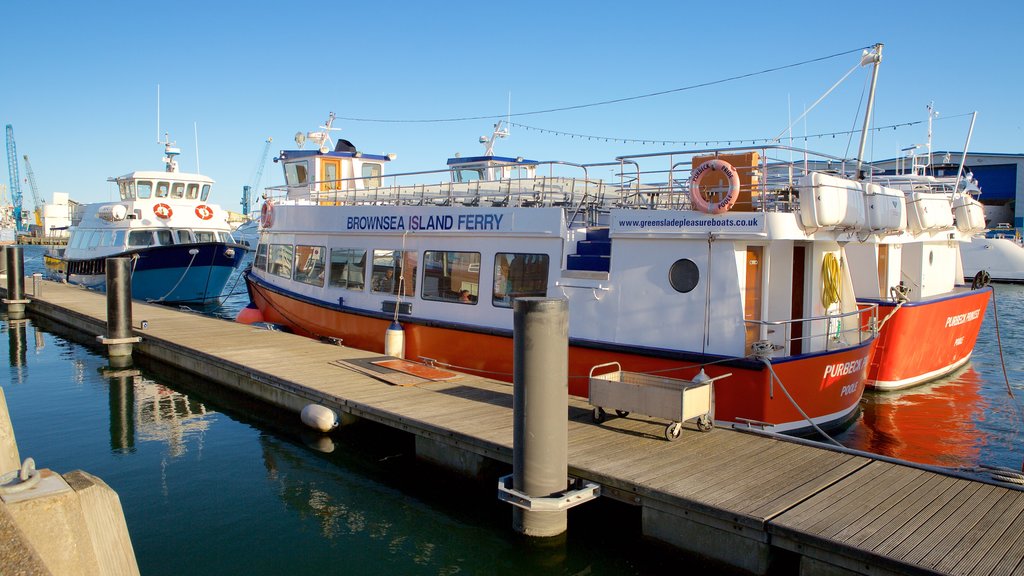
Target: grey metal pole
[(15, 300), (540, 409), (37, 285), (3, 261), (119, 339)]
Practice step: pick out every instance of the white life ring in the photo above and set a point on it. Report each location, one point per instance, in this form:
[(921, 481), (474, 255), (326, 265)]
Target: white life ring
[(700, 203), (267, 215)]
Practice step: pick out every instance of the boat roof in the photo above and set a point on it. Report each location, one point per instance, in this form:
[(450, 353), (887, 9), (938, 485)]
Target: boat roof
[(285, 154), (491, 159), (163, 175)]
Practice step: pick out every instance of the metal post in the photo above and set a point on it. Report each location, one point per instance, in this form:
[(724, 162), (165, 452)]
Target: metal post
[(3, 261), (37, 285), (540, 410), (15, 300), (119, 337)]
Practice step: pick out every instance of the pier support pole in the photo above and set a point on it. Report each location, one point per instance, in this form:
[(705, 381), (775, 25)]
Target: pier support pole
[(540, 408), (119, 339), (37, 285), (15, 300)]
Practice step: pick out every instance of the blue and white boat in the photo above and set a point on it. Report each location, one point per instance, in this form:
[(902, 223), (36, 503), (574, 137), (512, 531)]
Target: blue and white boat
[(181, 246)]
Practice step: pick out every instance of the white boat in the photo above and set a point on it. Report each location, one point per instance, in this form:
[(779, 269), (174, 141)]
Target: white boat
[(180, 244), (998, 253), (750, 289)]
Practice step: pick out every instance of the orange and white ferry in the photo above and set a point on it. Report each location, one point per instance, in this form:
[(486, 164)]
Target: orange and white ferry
[(743, 286)]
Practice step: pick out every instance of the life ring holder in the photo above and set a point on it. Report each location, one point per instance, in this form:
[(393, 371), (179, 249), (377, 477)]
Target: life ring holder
[(163, 211), (700, 203), (267, 215)]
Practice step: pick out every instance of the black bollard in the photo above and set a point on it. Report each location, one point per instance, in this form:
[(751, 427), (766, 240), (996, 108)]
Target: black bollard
[(15, 300), (540, 407), (119, 339)]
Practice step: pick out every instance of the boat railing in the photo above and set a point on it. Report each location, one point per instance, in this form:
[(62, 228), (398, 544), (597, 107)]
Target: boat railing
[(818, 333), (768, 184)]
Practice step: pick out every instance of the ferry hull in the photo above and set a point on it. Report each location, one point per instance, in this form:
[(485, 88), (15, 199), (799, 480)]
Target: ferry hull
[(926, 340), (827, 386), (169, 275)]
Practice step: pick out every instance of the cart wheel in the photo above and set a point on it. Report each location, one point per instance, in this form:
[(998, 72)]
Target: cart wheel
[(673, 431), (622, 413), (705, 423), (599, 414)]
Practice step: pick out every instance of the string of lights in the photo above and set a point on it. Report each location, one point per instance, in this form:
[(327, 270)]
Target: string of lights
[(727, 141)]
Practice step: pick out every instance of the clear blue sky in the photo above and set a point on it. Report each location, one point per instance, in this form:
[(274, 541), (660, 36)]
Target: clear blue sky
[(80, 78)]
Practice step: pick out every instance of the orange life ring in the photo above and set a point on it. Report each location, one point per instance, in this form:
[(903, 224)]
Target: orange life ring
[(162, 211), (267, 215), (702, 204), (204, 212)]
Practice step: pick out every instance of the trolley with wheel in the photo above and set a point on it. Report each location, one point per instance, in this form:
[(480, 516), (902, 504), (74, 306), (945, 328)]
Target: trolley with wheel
[(669, 398)]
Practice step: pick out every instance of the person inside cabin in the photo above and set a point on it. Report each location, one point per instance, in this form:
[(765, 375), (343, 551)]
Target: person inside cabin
[(386, 282), (464, 297)]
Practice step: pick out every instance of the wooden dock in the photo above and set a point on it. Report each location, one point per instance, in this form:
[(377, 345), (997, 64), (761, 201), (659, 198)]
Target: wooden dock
[(748, 500)]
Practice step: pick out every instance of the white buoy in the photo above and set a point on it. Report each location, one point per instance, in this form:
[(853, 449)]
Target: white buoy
[(319, 417), (394, 340)]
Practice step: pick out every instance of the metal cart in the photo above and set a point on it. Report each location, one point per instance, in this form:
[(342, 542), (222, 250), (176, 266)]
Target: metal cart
[(670, 398)]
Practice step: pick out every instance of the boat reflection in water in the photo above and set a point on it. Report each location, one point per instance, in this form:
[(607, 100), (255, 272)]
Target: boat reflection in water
[(935, 424)]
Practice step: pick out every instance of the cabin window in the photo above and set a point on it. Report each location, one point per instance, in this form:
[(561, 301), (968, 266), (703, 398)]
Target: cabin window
[(451, 276), (192, 192), (164, 237), (126, 191), (76, 239), (683, 275), (178, 190), (140, 238), (309, 265), (295, 174), (92, 240), (371, 174), (280, 263), (347, 268), (119, 238), (205, 236), (144, 188), (394, 270), (206, 192), (226, 237), (184, 237), (465, 175), (519, 275), (162, 189), (260, 260), (106, 238)]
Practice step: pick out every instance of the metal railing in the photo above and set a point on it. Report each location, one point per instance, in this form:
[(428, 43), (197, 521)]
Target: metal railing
[(820, 333)]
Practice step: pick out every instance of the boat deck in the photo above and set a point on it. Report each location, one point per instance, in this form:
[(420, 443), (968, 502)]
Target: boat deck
[(741, 497)]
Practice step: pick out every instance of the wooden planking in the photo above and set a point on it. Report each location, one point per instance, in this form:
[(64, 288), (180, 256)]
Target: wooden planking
[(881, 513)]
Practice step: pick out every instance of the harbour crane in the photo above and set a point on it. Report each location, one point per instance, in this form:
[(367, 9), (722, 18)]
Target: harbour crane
[(247, 190), (35, 191), (12, 170)]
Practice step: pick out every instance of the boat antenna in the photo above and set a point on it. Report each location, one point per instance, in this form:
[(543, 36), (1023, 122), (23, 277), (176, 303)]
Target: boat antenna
[(963, 157), (195, 130), (932, 114), (874, 57)]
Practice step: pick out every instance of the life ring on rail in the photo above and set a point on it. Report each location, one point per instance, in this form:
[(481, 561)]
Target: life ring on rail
[(204, 212), (267, 215), (702, 204), (162, 211)]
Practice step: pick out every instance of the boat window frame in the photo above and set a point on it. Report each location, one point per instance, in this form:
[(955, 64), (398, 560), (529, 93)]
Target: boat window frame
[(162, 189), (402, 274), (192, 191), (206, 192), (201, 236), (275, 265), (188, 233), (292, 175), (138, 186), (310, 271), (259, 261), (371, 178), (449, 259), (162, 235), (138, 234), (340, 273), (177, 190), (505, 289)]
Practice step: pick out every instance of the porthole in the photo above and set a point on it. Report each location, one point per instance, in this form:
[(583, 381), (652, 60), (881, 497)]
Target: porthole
[(683, 275)]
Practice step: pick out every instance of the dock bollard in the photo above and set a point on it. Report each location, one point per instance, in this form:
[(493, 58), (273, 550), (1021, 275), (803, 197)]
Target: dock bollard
[(37, 285), (540, 400), (119, 339), (15, 300)]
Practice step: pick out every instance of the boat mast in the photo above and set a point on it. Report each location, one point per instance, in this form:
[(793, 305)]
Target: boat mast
[(963, 157), (873, 57)]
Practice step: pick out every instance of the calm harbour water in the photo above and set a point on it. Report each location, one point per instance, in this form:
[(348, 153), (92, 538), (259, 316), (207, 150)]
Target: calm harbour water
[(214, 483)]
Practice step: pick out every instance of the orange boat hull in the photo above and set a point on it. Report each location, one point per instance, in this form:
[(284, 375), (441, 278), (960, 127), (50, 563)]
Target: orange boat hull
[(827, 387), (923, 341)]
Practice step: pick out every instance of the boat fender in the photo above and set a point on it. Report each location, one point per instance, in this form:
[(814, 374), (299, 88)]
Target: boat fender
[(267, 215), (163, 211), (249, 315), (394, 340), (702, 204), (981, 279), (319, 417)]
